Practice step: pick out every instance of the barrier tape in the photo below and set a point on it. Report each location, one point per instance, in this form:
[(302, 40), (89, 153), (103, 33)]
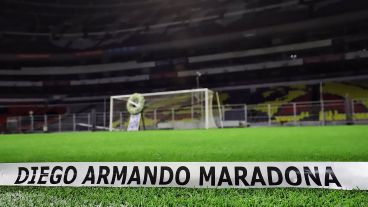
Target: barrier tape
[(331, 175)]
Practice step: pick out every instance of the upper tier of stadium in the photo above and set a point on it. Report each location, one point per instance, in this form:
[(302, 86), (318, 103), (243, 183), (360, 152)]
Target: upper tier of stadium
[(89, 50)]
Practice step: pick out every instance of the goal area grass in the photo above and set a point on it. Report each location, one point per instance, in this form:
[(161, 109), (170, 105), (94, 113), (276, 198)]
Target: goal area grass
[(328, 143)]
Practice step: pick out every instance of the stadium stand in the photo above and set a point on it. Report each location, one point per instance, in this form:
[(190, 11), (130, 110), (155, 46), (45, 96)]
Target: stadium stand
[(77, 60)]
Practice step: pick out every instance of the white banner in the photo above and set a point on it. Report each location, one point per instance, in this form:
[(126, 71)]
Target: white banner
[(134, 122), (333, 175)]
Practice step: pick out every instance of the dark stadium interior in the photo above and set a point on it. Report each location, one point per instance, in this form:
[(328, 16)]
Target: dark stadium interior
[(62, 52), (183, 103)]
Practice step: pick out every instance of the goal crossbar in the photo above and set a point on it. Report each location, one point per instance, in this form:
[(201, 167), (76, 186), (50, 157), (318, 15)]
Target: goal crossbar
[(165, 93)]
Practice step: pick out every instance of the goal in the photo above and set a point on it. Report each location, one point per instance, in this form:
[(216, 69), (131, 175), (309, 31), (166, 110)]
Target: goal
[(184, 109)]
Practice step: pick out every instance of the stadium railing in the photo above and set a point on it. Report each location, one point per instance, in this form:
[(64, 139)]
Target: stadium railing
[(329, 112)]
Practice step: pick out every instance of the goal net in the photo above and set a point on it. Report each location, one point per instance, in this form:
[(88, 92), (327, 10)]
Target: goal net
[(185, 109)]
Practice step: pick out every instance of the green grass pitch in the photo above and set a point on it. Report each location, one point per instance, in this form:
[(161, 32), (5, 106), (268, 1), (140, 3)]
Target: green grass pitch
[(335, 143)]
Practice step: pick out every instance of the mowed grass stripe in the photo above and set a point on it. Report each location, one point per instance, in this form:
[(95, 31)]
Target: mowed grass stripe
[(67, 196), (332, 143)]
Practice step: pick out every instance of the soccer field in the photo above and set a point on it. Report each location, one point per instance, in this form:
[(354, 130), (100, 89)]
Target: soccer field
[(335, 143)]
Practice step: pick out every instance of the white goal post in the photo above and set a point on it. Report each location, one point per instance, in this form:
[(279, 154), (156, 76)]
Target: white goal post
[(184, 109)]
